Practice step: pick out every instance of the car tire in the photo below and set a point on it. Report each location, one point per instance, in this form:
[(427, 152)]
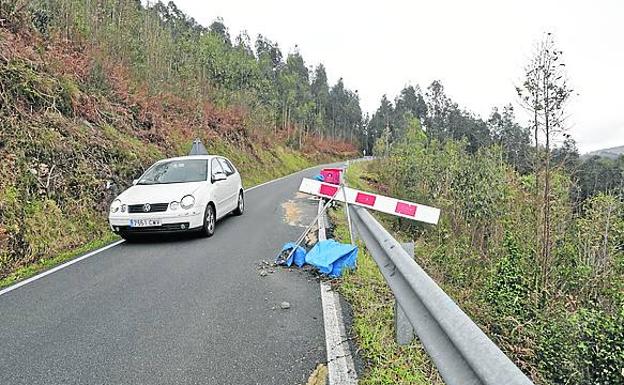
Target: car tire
[(210, 221), (240, 207)]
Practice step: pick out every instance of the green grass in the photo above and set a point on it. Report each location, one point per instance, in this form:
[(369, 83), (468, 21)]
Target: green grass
[(373, 315), (355, 176), (273, 164)]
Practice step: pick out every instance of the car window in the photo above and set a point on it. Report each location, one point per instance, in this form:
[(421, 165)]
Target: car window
[(229, 170), (231, 165), (216, 167), (176, 171)]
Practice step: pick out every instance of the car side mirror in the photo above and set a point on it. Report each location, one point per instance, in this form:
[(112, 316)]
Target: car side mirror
[(134, 182), (219, 176)]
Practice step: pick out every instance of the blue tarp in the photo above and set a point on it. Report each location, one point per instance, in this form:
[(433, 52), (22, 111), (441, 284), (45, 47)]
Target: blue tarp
[(329, 257), (298, 257), (332, 258), (319, 177)]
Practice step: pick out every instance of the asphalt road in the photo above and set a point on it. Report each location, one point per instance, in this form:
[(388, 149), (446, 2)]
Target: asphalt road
[(167, 311)]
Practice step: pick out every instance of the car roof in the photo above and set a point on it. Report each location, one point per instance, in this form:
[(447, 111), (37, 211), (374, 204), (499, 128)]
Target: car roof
[(190, 157)]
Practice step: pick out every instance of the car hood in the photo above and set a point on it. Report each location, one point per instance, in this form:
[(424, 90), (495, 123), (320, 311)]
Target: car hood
[(158, 193)]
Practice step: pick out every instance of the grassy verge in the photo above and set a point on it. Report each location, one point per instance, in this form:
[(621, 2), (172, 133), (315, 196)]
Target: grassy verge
[(275, 164), (373, 316)]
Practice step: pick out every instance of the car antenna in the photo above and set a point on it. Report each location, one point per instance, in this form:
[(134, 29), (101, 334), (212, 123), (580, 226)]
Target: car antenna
[(198, 148)]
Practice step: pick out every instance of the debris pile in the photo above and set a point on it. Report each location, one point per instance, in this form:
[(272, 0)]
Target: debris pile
[(329, 257)]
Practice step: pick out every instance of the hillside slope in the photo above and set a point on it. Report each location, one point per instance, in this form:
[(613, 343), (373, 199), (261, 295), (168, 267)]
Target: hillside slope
[(611, 153), (75, 130)]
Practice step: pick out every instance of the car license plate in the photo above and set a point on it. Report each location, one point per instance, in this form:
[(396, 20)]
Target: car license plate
[(145, 222)]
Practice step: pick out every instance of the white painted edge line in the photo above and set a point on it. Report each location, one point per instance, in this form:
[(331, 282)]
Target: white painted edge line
[(282, 178), (59, 267), (339, 360)]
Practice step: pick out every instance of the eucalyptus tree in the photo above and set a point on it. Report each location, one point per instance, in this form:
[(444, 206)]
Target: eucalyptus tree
[(514, 139), (293, 85), (409, 104), (219, 29), (380, 123), (439, 107), (545, 93), (446, 120), (320, 93), (270, 62), (337, 99)]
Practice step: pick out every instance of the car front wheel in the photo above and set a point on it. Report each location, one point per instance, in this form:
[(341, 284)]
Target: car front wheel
[(241, 204), (210, 220)]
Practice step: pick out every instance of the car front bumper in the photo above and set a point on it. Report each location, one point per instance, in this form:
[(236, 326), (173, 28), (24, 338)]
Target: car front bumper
[(181, 221)]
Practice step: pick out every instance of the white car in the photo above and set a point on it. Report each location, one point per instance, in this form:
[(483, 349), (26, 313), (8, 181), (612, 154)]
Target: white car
[(188, 193)]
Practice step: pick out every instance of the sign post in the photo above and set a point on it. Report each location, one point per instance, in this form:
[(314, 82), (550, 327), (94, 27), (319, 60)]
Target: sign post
[(344, 194)]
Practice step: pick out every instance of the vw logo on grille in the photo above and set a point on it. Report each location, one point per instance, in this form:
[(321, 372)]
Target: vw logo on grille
[(147, 208)]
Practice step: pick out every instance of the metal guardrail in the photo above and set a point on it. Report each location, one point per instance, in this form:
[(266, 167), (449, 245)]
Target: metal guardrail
[(462, 353)]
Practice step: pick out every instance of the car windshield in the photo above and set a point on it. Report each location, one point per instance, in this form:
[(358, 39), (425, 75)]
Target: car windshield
[(176, 171)]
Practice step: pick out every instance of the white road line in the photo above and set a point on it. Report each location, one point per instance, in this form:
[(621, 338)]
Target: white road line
[(339, 361), (281, 178), (59, 267)]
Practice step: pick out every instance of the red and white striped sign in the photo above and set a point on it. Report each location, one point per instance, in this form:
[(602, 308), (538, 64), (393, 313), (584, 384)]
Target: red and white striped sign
[(377, 202)]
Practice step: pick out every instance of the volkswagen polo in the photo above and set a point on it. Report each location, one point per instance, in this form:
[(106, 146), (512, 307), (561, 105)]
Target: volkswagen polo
[(181, 194)]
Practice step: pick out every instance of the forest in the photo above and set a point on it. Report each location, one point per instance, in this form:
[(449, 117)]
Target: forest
[(443, 119), (170, 52)]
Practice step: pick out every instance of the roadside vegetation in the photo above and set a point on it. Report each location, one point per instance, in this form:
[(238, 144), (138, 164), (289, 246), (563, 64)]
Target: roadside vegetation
[(531, 239), (560, 325), (91, 93)]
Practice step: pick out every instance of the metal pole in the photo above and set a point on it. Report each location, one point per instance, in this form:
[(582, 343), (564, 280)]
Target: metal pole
[(307, 230), (344, 194), (403, 330)]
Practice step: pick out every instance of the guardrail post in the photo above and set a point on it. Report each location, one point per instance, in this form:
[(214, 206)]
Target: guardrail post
[(404, 332)]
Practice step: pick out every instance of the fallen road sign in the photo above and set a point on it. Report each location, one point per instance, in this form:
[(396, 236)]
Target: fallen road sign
[(373, 201)]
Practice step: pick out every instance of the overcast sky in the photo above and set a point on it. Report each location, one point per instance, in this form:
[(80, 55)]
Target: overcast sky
[(476, 48)]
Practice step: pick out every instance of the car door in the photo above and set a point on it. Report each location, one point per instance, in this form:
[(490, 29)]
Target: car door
[(236, 176), (232, 184), (220, 187)]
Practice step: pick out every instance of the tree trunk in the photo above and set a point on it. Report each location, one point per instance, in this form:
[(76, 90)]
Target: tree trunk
[(537, 168), (546, 224)]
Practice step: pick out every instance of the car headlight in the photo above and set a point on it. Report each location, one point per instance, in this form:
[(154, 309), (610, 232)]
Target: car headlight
[(187, 202), (174, 205), (115, 206), (124, 208)]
